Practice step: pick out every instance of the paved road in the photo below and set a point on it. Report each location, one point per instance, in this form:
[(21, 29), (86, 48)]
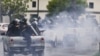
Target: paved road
[(67, 52), (1, 46), (56, 51)]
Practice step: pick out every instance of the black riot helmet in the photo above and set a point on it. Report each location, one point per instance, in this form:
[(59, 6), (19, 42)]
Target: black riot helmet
[(15, 22), (23, 21)]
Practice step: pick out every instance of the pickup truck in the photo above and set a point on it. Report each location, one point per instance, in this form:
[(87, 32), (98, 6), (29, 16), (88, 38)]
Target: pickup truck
[(18, 45)]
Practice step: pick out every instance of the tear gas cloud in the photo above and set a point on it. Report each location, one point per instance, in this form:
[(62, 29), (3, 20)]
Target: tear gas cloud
[(82, 33)]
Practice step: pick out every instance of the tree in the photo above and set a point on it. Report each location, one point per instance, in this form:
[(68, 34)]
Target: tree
[(14, 8), (72, 8), (56, 6)]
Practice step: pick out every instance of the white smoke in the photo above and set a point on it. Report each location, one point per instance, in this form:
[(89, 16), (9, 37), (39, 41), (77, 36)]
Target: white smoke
[(81, 33)]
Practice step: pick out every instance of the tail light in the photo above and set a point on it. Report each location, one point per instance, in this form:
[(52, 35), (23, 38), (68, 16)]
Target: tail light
[(42, 38), (11, 40)]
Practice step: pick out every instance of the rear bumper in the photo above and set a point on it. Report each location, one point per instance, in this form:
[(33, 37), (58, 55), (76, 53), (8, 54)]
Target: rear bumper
[(35, 47), (25, 45), (25, 49)]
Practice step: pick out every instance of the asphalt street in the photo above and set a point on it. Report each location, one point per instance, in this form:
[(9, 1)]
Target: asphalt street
[(1, 46), (51, 51)]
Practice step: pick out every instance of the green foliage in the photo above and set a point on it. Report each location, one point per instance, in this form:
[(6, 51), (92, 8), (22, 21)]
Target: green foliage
[(14, 7), (56, 6)]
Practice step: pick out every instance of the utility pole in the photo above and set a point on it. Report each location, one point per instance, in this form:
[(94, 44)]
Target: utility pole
[(0, 11), (38, 8)]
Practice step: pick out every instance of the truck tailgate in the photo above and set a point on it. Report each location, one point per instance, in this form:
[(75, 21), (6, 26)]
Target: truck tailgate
[(18, 41)]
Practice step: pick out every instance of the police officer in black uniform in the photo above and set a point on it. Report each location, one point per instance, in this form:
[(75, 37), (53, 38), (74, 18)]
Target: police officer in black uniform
[(26, 32), (14, 28)]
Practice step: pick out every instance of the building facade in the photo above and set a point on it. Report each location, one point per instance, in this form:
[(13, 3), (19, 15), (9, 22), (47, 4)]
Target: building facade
[(37, 8), (94, 9)]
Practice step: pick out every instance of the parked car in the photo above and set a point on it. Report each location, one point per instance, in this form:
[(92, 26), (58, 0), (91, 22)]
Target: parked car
[(3, 28)]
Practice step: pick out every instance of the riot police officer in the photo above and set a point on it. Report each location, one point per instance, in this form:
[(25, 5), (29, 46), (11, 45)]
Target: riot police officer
[(26, 32), (14, 28)]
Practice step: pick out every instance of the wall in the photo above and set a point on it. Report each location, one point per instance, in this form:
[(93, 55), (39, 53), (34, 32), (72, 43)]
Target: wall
[(42, 9)]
